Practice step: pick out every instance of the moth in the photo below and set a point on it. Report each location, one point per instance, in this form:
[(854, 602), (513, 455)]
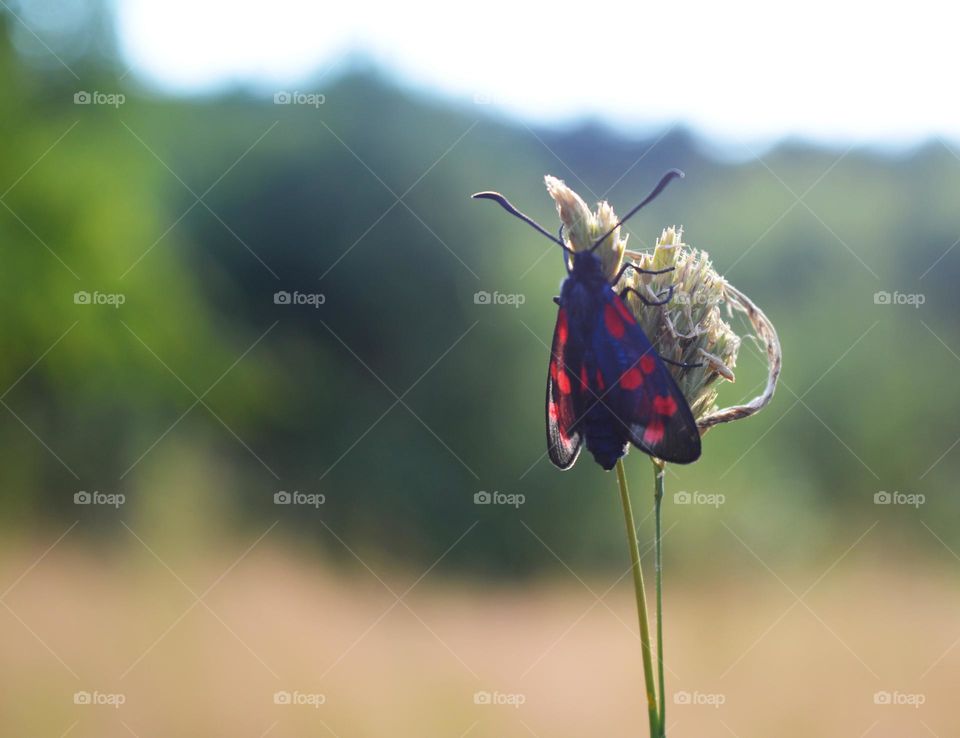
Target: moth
[(607, 387)]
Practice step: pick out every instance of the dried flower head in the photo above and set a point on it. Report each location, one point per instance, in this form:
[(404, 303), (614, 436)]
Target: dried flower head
[(690, 327), (582, 228)]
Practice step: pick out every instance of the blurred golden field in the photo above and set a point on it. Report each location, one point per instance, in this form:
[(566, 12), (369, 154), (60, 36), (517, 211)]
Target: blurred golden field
[(274, 619)]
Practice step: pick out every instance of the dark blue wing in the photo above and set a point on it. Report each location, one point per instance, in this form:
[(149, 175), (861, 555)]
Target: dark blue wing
[(642, 396)]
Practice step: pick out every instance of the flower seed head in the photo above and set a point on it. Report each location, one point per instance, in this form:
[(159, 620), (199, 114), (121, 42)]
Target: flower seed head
[(582, 228)]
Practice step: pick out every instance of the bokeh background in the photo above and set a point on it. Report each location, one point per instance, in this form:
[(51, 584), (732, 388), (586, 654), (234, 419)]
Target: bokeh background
[(157, 396)]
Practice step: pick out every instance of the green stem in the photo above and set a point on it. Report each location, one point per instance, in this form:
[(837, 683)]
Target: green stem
[(655, 731), (659, 472)]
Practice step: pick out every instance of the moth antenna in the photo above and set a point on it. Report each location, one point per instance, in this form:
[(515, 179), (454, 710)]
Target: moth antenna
[(506, 205), (664, 181)]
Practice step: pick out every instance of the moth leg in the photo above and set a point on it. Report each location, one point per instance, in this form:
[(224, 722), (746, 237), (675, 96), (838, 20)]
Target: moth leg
[(681, 364), (639, 270), (645, 301)]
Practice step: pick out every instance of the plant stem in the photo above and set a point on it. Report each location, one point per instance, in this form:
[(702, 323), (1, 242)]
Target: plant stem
[(655, 730), (659, 471)]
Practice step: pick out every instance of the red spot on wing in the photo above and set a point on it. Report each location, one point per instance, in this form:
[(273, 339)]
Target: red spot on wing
[(631, 379), (563, 382), (624, 313), (562, 329), (583, 375), (613, 321), (553, 412), (653, 433), (647, 364), (553, 368), (600, 384), (664, 405)]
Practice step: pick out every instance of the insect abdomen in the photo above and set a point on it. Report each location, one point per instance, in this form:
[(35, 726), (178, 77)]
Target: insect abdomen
[(603, 440)]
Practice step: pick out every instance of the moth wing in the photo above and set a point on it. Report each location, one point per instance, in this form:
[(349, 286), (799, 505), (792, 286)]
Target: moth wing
[(564, 400), (643, 394)]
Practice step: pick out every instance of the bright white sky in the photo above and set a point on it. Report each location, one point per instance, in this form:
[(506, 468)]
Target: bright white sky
[(752, 69)]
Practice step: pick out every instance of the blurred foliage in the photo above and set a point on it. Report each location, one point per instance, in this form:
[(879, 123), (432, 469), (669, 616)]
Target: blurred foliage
[(399, 397)]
